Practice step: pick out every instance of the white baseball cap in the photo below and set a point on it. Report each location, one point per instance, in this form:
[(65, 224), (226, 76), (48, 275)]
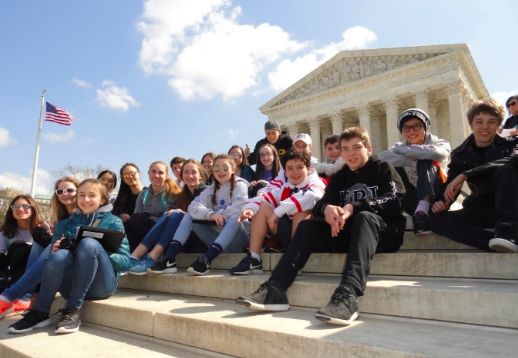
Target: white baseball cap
[(303, 137)]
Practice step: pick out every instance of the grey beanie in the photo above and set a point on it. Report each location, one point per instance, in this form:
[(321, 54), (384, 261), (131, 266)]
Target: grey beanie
[(272, 125), (414, 113)]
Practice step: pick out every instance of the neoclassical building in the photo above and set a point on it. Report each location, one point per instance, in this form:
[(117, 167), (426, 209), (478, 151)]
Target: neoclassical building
[(370, 88)]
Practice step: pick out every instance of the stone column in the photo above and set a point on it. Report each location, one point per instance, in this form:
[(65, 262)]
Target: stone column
[(432, 112), (376, 142), (314, 128), (364, 112), (293, 129), (453, 91), (421, 99), (391, 110), (336, 120), (326, 132)]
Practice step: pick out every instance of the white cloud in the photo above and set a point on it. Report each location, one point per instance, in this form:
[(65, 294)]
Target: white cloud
[(502, 96), (80, 83), (5, 139), (114, 97), (15, 181), (59, 138), (289, 72), (231, 133), (204, 49)]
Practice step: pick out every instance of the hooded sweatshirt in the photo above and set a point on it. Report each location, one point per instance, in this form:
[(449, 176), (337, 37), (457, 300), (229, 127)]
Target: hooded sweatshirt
[(282, 145), (155, 204), (202, 208)]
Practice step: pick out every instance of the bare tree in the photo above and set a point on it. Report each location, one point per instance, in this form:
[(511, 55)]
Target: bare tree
[(80, 172)]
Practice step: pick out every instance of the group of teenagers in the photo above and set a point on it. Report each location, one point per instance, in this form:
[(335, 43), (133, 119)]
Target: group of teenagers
[(352, 203)]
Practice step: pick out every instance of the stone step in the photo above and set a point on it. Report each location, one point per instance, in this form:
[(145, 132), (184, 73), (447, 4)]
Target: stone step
[(90, 341), (433, 264), (220, 326), (483, 302), (431, 242)]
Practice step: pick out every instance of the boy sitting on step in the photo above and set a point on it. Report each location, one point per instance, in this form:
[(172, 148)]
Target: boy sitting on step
[(362, 211), (418, 160), (280, 210), (487, 162)]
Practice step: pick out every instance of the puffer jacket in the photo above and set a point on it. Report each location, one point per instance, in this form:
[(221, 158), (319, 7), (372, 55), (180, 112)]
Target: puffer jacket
[(68, 228)]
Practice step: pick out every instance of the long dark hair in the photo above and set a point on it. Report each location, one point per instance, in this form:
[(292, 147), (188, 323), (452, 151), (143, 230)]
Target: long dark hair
[(124, 191), (259, 167), (114, 176), (9, 226), (184, 198), (244, 163), (232, 164)]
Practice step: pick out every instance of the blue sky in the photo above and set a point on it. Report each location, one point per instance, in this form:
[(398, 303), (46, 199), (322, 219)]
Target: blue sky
[(149, 80)]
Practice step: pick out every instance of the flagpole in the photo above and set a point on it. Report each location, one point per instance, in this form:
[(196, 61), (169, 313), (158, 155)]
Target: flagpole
[(36, 155)]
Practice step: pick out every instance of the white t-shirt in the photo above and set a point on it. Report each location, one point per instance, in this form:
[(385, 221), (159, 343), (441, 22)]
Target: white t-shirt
[(21, 235)]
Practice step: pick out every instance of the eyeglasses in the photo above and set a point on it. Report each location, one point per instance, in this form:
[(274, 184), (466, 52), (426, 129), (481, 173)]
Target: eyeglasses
[(60, 192), (264, 155), (217, 168), (236, 155), (23, 206), (511, 104), (415, 127), (129, 175)]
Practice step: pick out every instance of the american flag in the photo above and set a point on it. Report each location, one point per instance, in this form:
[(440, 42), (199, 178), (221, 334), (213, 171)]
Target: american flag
[(57, 115)]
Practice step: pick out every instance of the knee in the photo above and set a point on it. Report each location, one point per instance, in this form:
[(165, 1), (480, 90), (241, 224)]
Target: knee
[(365, 216), (424, 164), (506, 169), (88, 246), (58, 259)]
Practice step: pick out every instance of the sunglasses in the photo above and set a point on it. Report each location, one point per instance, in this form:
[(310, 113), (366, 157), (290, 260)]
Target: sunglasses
[(511, 104), (129, 175), (23, 206), (236, 155), (60, 192), (217, 168), (415, 127)]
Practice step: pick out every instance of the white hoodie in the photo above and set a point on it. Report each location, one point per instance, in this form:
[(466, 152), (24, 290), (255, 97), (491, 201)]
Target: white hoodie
[(202, 208)]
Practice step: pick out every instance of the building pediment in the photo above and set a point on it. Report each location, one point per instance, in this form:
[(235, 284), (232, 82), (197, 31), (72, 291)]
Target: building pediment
[(351, 67)]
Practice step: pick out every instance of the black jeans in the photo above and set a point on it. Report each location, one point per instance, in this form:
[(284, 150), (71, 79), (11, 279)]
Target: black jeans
[(362, 237), (137, 228), (498, 210), (428, 183)]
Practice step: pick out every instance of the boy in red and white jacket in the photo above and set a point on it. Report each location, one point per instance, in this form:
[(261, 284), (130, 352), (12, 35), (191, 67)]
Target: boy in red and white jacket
[(282, 209)]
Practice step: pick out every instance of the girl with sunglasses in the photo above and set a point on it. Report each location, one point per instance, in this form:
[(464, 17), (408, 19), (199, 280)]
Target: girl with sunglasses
[(242, 169), (151, 203), (212, 216), (159, 237), (124, 205), (87, 272), (512, 107), (62, 206)]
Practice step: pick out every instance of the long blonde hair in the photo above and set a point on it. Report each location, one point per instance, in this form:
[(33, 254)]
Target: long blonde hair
[(58, 210), (171, 188)]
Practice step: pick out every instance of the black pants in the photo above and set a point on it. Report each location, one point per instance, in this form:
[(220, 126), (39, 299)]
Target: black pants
[(136, 228), (498, 210), (428, 183), (362, 237), (283, 235)]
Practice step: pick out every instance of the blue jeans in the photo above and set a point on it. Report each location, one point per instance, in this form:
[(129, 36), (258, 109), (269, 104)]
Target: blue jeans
[(25, 286), (87, 274), (36, 251), (232, 237), (163, 231)]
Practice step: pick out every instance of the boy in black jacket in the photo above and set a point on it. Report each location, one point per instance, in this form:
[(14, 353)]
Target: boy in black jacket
[(488, 163), (363, 216), (275, 136)]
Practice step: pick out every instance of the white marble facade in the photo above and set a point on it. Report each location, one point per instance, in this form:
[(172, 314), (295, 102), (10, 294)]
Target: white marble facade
[(370, 88)]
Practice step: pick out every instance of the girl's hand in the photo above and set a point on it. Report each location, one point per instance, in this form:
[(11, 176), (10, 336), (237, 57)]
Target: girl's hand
[(247, 150), (55, 247), (254, 183), (273, 220), (124, 217), (173, 210), (246, 214), (219, 219)]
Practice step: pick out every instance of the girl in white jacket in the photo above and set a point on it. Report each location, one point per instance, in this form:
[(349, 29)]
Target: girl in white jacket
[(220, 206)]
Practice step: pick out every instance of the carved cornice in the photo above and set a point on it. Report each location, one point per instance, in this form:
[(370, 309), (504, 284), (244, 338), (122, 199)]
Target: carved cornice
[(364, 109), (390, 103), (454, 88), (421, 95)]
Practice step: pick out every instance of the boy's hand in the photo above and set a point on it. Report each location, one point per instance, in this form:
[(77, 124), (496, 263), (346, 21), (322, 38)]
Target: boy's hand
[(453, 188), (439, 206), (273, 220), (335, 217), (247, 150), (219, 219), (246, 214)]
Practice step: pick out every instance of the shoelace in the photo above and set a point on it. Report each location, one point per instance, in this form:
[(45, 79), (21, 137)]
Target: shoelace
[(66, 314), (340, 297)]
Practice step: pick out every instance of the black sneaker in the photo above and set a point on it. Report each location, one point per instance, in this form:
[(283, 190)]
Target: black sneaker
[(342, 309), (247, 265), (33, 319), (502, 244), (164, 265), (266, 298), (200, 266), (421, 224), (69, 321)]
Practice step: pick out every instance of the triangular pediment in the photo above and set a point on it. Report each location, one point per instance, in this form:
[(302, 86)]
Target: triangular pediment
[(349, 67)]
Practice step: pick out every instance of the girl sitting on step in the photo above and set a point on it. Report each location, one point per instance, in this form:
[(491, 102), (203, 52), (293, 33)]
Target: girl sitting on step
[(85, 272)]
